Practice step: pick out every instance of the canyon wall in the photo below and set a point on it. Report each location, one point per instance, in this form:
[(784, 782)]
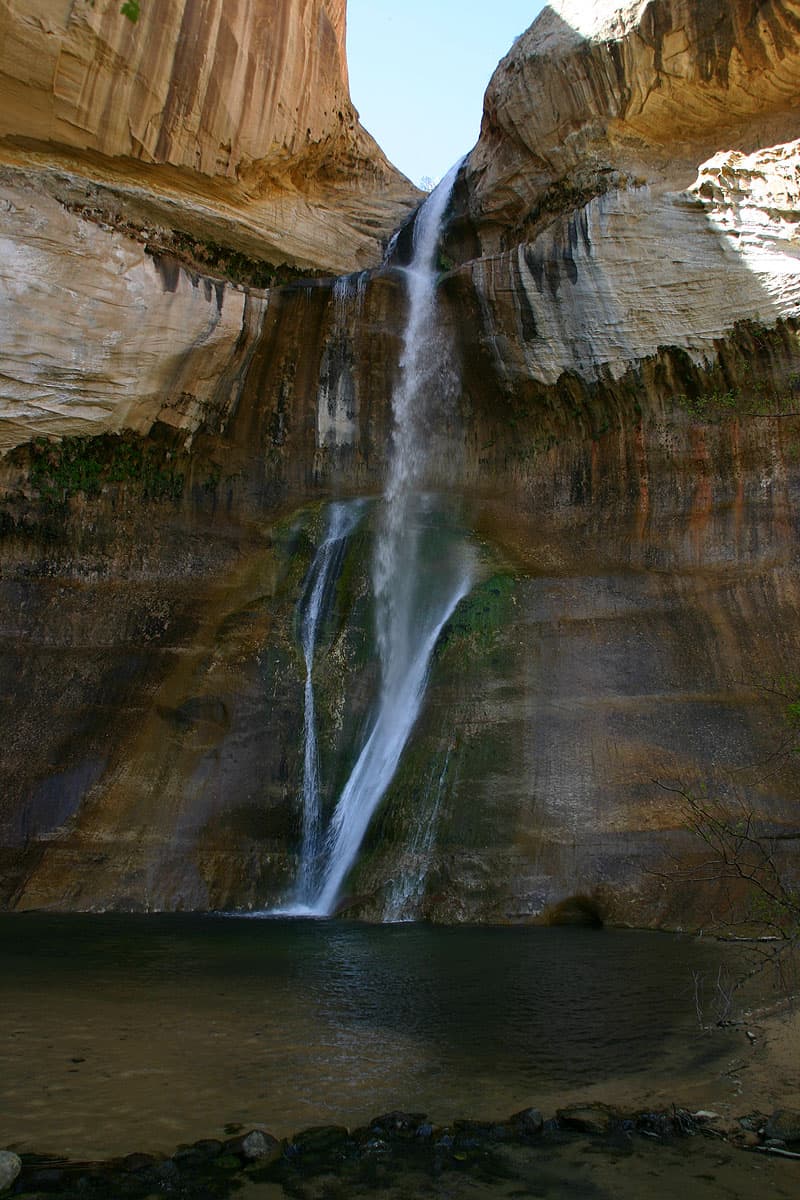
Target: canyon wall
[(594, 97), (219, 137), (621, 291), (222, 89), (222, 126)]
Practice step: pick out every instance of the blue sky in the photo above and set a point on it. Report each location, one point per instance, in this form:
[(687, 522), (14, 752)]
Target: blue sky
[(419, 68)]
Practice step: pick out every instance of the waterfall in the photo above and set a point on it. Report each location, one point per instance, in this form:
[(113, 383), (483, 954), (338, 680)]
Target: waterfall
[(337, 402), (416, 586), (346, 289), (411, 606)]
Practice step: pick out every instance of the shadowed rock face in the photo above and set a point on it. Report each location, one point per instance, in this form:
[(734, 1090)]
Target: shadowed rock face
[(640, 579), (623, 304)]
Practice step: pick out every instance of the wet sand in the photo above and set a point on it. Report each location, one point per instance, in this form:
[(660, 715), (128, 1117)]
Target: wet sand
[(579, 1169)]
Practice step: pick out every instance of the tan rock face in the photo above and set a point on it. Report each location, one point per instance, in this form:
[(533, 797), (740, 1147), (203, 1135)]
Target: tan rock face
[(600, 288), (641, 581), (649, 89), (616, 202), (98, 336), (252, 93), (214, 87), (222, 125)]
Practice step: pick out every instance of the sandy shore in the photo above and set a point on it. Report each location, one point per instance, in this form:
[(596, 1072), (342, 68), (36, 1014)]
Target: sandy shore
[(745, 1074)]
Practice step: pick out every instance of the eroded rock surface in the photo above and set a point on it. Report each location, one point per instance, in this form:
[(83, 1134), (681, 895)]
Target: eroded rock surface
[(242, 110), (595, 92), (148, 169), (619, 199), (216, 88), (97, 336)]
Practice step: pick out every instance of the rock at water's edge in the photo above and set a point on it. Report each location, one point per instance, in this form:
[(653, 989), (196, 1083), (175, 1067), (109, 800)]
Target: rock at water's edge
[(10, 1167)]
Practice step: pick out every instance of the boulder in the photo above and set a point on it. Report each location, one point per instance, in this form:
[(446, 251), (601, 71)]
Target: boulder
[(783, 1126), (529, 1121), (398, 1124), (255, 1146), (589, 1118), (321, 1141), (10, 1167)]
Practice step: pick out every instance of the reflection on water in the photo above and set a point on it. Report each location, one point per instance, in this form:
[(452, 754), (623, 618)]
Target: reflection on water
[(174, 1025)]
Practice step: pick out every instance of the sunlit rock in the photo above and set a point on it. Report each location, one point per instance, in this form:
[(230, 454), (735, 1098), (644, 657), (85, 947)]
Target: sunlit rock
[(96, 335), (228, 121), (594, 96)]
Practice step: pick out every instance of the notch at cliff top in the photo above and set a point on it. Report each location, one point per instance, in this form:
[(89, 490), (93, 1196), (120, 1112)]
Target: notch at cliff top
[(230, 120)]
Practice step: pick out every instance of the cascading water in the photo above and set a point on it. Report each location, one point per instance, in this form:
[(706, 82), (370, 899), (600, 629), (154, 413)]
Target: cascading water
[(412, 602), (343, 517), (410, 611), (406, 890), (337, 407)]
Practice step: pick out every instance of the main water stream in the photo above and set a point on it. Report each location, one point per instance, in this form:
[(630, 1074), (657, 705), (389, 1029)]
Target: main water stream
[(411, 606)]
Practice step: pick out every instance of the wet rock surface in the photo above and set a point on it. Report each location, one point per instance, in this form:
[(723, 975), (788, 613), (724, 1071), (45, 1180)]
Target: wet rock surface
[(784, 1126)]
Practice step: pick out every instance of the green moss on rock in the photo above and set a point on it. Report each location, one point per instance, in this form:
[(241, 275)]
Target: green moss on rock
[(59, 470), (479, 618)]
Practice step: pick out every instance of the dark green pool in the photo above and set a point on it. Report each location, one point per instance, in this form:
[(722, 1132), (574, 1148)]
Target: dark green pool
[(124, 1032)]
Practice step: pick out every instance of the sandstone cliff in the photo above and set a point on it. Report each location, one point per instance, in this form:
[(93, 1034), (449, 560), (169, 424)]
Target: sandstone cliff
[(242, 110), (588, 197), (218, 136), (623, 296), (597, 96), (223, 89)]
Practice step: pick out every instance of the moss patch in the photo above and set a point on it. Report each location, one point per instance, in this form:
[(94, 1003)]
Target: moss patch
[(477, 622), (195, 252), (217, 259), (59, 470)]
